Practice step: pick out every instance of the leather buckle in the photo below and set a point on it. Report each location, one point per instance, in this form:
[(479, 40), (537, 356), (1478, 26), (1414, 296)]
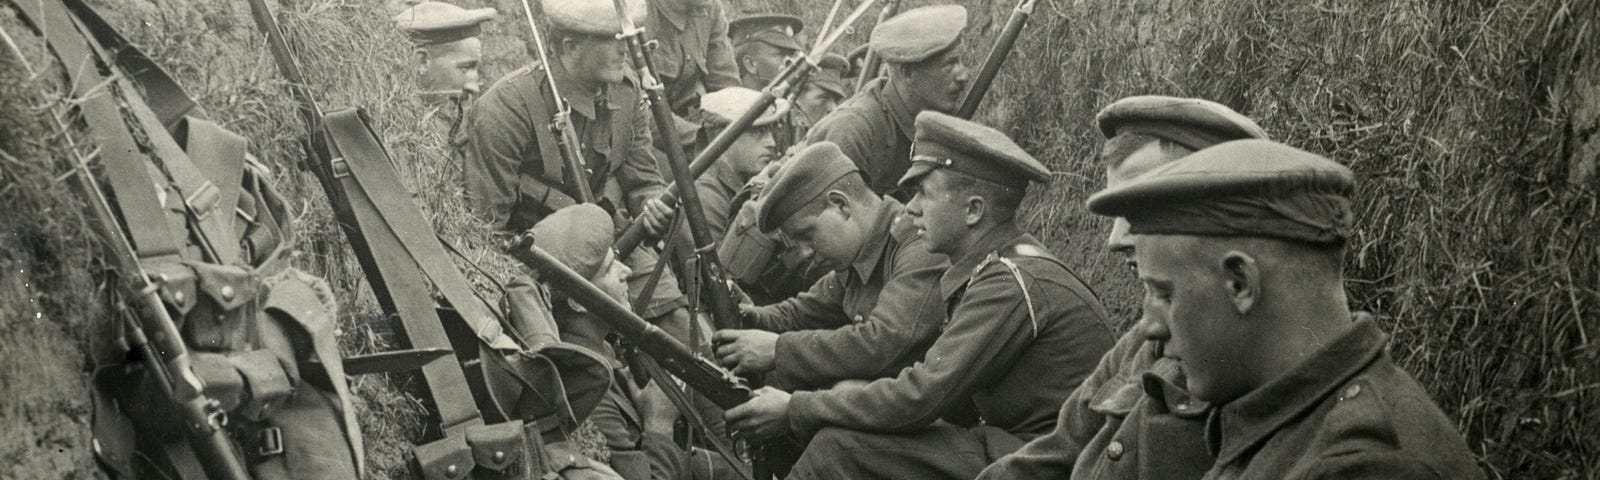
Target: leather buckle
[(340, 167), (270, 442), (202, 200)]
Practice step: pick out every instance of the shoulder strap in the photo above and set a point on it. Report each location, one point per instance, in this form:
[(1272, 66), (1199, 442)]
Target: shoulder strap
[(543, 112)]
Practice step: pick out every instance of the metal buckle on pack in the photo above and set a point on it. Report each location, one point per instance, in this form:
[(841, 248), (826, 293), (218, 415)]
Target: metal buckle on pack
[(270, 442), (341, 168), (203, 199)]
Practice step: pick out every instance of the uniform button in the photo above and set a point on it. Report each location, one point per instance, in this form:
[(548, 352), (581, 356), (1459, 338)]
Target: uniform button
[(1352, 391), (858, 319), (1114, 450), (1183, 406), (227, 292)]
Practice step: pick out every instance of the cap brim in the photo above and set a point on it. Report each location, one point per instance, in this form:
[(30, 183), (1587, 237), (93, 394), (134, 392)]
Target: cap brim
[(915, 173)]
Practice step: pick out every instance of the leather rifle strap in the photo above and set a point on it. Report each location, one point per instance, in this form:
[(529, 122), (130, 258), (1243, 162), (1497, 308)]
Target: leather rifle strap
[(376, 179), (399, 285), (130, 182)]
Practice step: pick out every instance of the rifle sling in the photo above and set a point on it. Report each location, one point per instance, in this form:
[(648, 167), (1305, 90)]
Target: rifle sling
[(375, 178), (398, 282), (130, 182), (166, 97)]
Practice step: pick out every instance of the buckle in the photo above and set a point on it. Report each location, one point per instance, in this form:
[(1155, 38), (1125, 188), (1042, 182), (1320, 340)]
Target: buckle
[(269, 442), (203, 199), (340, 167)]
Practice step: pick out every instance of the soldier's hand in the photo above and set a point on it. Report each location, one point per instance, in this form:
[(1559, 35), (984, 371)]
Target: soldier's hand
[(746, 351), (656, 216), (763, 417)]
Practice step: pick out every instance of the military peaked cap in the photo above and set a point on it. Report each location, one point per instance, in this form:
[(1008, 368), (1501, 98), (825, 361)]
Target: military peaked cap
[(437, 23), (593, 17), (1190, 122), (776, 30), (805, 178), (1250, 188), (919, 33), (971, 149), (724, 106), (578, 235)]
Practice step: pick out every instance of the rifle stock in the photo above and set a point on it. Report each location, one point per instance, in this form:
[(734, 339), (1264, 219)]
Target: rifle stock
[(716, 383), (156, 337), (996, 57)]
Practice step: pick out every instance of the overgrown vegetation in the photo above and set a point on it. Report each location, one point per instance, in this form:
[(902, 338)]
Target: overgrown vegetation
[(1471, 125)]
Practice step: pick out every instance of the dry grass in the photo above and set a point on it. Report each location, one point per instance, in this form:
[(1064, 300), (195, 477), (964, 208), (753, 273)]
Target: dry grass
[(1472, 127)]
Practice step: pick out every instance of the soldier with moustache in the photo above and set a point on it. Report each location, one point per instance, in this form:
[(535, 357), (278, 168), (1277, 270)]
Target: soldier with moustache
[(445, 40)]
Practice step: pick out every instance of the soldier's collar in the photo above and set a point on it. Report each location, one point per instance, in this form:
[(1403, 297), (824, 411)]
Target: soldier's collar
[(905, 120), (871, 252), (1243, 424), (582, 101), (983, 251)]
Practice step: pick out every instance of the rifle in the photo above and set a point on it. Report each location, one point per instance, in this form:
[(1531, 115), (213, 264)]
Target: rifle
[(561, 122), (723, 311), (797, 69), (153, 333), (873, 62), (718, 384), (997, 56)]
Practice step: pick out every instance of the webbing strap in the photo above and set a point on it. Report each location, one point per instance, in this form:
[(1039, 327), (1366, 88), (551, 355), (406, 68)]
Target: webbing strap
[(220, 153), (399, 285), (166, 97), (130, 182), (549, 151), (201, 197), (375, 178)]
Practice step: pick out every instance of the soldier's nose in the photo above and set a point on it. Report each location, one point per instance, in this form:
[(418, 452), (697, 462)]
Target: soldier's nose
[(1151, 329)]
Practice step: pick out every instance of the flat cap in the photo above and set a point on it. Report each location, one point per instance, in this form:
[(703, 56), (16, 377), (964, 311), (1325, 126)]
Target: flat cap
[(971, 149), (805, 178), (775, 30), (594, 17), (724, 106), (578, 235), (437, 23), (1250, 188), (1190, 122), (830, 74), (919, 33)]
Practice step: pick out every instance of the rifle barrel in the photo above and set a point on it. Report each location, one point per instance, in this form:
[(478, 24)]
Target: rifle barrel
[(716, 383), (996, 57)]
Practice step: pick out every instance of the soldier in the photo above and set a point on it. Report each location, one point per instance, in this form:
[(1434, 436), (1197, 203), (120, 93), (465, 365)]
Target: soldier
[(874, 314), (1020, 331), (874, 127), (824, 91), (748, 155), (1240, 248), (761, 43), (636, 422), (1157, 432), (448, 50), (693, 55), (515, 176)]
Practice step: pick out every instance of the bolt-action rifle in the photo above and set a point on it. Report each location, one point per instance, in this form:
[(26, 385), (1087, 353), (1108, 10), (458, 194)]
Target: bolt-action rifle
[(561, 121), (795, 72), (997, 57), (154, 335)]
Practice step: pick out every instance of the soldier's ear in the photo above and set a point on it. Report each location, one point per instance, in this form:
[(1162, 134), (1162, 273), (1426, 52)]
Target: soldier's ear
[(977, 207), (1241, 280), (839, 200)]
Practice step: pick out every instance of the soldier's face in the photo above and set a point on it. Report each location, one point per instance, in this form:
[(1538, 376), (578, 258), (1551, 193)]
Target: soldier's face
[(452, 67), (600, 59), (828, 237), (762, 62), (1140, 161), (816, 102), (939, 212), (1187, 307), (752, 151), (938, 82), (613, 278)]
